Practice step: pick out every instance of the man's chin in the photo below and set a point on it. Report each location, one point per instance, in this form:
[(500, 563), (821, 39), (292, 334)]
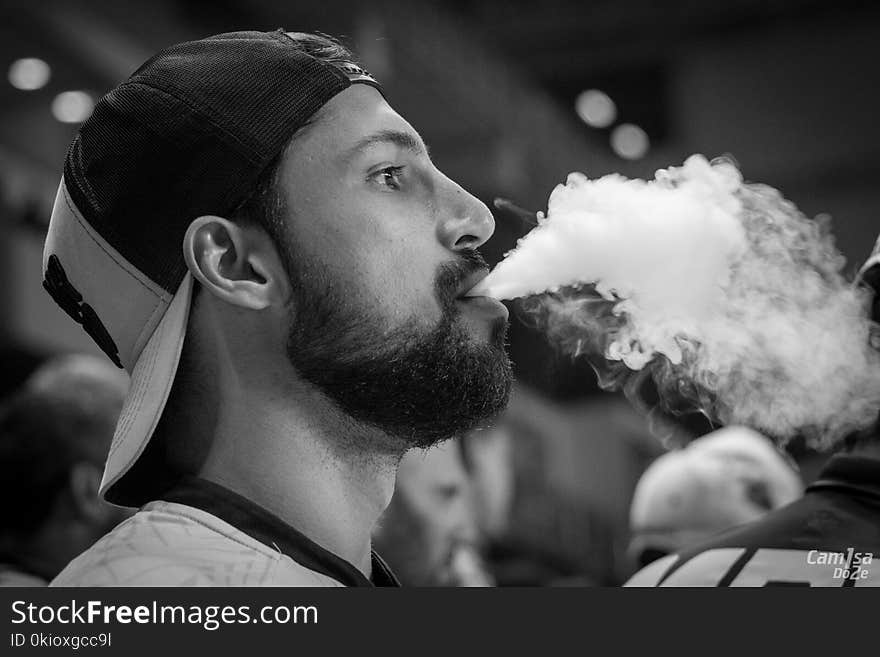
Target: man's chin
[(481, 332), (417, 387), (499, 334)]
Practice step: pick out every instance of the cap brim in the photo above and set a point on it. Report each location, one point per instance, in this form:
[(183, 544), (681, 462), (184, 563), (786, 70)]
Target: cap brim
[(151, 381)]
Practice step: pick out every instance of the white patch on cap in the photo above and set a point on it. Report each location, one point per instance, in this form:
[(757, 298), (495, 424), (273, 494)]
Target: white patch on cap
[(127, 303)]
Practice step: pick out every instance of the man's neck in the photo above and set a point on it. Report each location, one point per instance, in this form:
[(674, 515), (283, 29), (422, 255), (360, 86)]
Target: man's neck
[(300, 459)]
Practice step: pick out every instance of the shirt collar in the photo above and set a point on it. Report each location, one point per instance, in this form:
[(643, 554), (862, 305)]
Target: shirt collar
[(269, 529), (850, 473)]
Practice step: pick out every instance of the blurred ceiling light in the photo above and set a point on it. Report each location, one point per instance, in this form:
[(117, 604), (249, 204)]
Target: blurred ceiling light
[(629, 141), (29, 73), (72, 106), (595, 108)]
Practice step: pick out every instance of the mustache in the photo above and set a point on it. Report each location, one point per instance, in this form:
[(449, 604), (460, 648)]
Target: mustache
[(452, 275)]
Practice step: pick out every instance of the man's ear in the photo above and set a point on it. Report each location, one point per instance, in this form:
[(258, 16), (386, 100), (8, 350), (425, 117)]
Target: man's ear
[(236, 263)]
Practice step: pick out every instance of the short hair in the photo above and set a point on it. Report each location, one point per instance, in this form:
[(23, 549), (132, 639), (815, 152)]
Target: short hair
[(65, 414)]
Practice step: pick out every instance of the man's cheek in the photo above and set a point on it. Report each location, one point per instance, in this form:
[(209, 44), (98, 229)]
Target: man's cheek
[(407, 287)]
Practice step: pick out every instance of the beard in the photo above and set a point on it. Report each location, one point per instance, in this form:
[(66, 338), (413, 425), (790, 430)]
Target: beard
[(418, 386)]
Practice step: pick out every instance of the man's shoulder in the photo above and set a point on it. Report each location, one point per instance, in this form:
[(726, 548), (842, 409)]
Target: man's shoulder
[(812, 542), (170, 544)]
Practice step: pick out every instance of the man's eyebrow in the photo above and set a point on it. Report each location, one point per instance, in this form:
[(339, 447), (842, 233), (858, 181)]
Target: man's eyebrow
[(401, 139)]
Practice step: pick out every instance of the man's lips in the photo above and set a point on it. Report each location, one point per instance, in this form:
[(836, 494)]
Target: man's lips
[(487, 306), (470, 283)]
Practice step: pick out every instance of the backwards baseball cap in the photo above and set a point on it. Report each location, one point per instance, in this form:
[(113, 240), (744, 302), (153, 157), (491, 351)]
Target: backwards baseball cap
[(188, 134)]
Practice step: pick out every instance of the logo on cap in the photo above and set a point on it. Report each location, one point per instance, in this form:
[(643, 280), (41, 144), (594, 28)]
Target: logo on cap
[(71, 301), (356, 74)]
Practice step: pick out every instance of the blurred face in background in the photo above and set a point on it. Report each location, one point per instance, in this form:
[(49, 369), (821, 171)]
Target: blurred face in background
[(380, 248), (78, 399), (428, 533), (721, 480), (56, 433), (490, 466)]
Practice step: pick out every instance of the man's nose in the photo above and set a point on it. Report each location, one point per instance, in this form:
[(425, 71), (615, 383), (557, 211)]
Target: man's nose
[(466, 222)]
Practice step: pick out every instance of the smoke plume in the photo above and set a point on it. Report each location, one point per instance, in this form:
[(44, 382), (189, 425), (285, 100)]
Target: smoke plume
[(722, 292)]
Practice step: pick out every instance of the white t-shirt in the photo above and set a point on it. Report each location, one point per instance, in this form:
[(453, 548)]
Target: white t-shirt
[(188, 539)]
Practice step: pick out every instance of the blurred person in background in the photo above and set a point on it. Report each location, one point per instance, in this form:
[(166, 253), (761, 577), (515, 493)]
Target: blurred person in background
[(829, 537), (488, 459), (429, 534), (54, 437), (726, 478), (551, 483)]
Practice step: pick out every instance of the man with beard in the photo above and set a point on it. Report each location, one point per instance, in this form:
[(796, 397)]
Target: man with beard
[(250, 229)]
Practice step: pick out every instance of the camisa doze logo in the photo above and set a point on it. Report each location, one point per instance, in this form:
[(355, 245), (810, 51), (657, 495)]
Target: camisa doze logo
[(847, 565)]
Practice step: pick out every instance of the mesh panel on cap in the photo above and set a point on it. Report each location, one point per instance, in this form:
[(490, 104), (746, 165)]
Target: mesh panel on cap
[(188, 134)]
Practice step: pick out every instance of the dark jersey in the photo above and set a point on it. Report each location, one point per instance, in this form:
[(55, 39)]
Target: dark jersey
[(829, 537)]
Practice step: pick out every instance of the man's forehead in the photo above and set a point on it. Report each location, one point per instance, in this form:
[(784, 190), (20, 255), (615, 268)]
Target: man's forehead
[(355, 118)]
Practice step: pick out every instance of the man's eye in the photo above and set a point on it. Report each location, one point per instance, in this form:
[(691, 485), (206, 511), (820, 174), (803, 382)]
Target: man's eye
[(389, 177)]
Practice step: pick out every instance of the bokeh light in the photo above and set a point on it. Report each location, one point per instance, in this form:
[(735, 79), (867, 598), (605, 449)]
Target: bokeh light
[(595, 108), (629, 141), (72, 106), (29, 73)]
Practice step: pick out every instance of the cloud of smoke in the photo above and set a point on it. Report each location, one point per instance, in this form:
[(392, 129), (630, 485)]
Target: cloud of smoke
[(722, 292)]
